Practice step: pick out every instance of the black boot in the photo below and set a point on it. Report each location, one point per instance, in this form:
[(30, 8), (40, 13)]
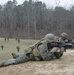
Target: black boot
[(1, 65), (13, 55)]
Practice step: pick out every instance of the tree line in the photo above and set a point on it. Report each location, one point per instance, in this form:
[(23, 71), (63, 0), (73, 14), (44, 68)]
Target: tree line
[(32, 20)]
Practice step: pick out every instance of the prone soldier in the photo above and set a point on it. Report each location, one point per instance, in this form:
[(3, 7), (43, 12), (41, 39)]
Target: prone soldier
[(37, 52), (67, 42)]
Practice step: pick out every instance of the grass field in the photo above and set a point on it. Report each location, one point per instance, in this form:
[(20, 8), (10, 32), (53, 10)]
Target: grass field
[(10, 46)]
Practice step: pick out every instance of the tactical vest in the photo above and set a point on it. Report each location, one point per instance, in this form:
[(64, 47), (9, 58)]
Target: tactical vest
[(33, 52), (36, 53)]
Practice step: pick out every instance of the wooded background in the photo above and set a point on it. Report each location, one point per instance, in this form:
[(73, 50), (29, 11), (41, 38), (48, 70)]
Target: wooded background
[(32, 20)]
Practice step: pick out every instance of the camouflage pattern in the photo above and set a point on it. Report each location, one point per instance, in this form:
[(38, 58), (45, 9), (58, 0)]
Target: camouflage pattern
[(46, 55), (41, 49), (19, 59), (50, 38), (63, 39), (38, 51), (44, 52), (64, 36)]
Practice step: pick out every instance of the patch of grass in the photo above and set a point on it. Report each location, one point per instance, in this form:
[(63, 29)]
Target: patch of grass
[(10, 46)]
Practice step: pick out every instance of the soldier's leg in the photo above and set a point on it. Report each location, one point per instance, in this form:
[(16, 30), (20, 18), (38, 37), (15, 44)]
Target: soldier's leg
[(21, 59), (7, 62), (14, 55)]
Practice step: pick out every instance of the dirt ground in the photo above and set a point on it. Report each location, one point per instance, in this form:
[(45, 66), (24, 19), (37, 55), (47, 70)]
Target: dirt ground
[(62, 66)]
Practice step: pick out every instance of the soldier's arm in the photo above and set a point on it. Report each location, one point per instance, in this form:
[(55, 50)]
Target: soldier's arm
[(46, 55), (59, 53)]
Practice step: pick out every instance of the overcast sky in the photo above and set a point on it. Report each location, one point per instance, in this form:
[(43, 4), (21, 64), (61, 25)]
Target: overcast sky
[(64, 3)]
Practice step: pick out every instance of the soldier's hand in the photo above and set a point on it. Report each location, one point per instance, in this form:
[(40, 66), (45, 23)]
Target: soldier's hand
[(55, 49), (63, 49)]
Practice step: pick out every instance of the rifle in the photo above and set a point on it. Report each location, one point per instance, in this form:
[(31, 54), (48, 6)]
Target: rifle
[(69, 44), (66, 45)]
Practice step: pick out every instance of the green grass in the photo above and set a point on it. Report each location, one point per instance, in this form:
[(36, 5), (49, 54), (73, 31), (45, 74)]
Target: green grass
[(10, 46)]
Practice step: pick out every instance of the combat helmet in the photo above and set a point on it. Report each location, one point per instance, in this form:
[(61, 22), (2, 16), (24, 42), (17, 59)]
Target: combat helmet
[(64, 35), (50, 37)]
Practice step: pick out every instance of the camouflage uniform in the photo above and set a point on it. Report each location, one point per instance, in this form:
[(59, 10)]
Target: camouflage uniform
[(38, 51), (44, 52), (19, 59), (63, 39)]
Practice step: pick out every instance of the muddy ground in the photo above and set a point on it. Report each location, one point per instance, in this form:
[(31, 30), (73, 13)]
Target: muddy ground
[(62, 66)]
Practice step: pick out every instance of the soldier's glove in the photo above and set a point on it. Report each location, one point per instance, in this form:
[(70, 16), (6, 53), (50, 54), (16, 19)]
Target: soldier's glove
[(63, 49), (55, 49), (58, 54)]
